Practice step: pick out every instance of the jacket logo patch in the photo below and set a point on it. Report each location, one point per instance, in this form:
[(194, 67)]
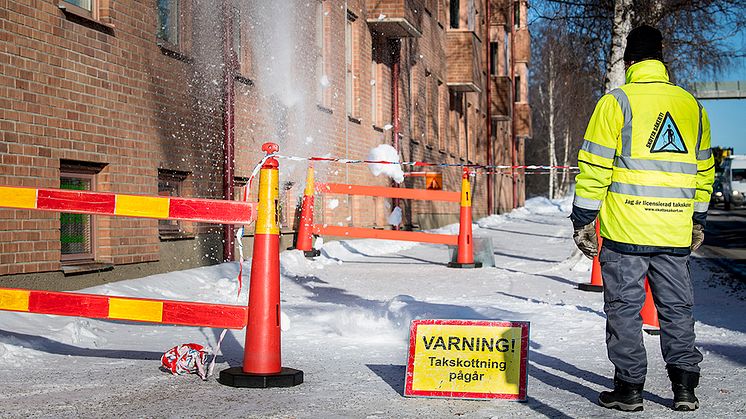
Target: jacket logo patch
[(667, 139)]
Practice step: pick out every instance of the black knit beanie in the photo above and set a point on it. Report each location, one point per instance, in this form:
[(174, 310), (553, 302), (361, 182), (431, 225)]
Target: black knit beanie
[(644, 42)]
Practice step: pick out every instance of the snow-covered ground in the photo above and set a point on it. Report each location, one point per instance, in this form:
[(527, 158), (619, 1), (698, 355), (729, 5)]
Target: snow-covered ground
[(349, 313)]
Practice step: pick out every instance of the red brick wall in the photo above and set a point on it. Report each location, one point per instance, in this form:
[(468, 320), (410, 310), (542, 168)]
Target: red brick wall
[(75, 90)]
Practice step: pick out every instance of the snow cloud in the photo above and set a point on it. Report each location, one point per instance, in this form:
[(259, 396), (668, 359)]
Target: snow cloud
[(385, 152)]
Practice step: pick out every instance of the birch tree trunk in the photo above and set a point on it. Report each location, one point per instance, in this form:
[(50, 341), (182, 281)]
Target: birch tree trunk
[(550, 97), (565, 162), (623, 14)]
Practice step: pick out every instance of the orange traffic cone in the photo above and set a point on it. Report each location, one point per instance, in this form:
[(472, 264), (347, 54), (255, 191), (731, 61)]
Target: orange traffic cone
[(596, 284), (465, 256), (261, 359), (649, 313), (304, 239)]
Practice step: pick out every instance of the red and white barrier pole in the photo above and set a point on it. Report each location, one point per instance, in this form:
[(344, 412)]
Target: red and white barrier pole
[(261, 361), (596, 284), (465, 256), (304, 239)]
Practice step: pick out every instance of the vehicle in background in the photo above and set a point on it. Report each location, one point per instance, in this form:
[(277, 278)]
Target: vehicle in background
[(734, 181), (717, 197)]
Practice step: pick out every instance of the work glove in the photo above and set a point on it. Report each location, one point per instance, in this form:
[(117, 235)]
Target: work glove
[(586, 240), (698, 236)]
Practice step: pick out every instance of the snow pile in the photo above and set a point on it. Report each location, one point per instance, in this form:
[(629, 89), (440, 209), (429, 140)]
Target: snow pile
[(339, 250), (493, 220), (395, 217), (345, 319), (385, 152)]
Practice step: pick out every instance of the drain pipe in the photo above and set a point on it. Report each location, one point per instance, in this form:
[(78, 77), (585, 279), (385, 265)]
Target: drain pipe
[(512, 105), (395, 71), (488, 93), (229, 98), (395, 45)]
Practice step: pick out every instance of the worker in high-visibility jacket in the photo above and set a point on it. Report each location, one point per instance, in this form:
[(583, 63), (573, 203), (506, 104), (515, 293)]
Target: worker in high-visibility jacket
[(646, 173)]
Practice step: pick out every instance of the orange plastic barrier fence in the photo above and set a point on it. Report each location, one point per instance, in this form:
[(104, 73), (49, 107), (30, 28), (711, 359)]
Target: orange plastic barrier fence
[(401, 193), (123, 308), (84, 202), (369, 233)]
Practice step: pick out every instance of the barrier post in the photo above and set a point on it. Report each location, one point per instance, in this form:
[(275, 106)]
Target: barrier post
[(649, 313), (304, 237), (596, 284), (465, 256), (261, 360)]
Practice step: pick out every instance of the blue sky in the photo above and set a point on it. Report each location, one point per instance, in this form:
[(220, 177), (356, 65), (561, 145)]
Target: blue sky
[(727, 116)]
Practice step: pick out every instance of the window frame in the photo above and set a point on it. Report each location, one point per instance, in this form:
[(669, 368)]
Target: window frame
[(171, 228), (99, 14), (352, 72), (183, 45), (322, 84), (73, 8), (80, 172)]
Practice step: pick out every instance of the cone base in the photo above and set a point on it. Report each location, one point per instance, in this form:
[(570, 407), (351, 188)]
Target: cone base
[(591, 287), (235, 377), (465, 265), (308, 253), (652, 331)]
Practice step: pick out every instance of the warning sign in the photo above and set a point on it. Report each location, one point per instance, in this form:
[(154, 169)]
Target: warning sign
[(434, 181), (666, 137), (470, 359)]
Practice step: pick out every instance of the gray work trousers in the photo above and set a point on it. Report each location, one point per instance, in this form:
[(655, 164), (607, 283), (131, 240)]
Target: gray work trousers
[(624, 294)]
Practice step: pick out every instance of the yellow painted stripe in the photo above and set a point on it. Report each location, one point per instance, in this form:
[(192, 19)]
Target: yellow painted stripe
[(16, 300), (465, 193), (309, 182), (126, 309), (17, 197), (269, 191), (141, 206)]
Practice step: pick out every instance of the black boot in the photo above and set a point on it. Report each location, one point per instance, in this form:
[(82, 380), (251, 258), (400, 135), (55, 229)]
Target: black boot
[(626, 396), (683, 384)]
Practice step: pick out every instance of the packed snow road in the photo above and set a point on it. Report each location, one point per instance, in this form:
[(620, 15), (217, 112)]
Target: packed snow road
[(349, 313)]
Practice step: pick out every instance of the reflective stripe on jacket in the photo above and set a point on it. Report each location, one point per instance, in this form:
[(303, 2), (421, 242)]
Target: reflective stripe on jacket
[(646, 162)]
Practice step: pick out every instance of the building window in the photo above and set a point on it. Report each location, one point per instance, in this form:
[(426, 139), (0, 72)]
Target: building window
[(86, 5), (494, 48), (351, 70), (237, 38), (76, 230), (441, 105), (455, 13), (170, 183), (506, 53), (375, 86), (455, 107), (95, 10), (517, 85), (168, 21), (322, 78), (517, 14)]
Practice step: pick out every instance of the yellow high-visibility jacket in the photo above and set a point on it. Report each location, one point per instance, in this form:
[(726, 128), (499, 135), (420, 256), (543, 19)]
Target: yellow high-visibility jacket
[(646, 163)]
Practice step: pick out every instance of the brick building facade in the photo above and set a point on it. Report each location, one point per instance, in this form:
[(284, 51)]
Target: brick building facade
[(135, 96)]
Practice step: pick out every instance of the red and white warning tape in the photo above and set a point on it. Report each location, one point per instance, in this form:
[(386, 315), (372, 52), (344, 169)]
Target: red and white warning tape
[(426, 164)]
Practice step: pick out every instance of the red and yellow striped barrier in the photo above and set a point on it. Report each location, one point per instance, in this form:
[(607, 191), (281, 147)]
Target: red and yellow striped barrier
[(123, 308), (84, 202)]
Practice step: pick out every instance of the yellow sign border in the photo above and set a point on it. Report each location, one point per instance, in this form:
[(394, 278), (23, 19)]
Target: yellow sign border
[(523, 374)]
